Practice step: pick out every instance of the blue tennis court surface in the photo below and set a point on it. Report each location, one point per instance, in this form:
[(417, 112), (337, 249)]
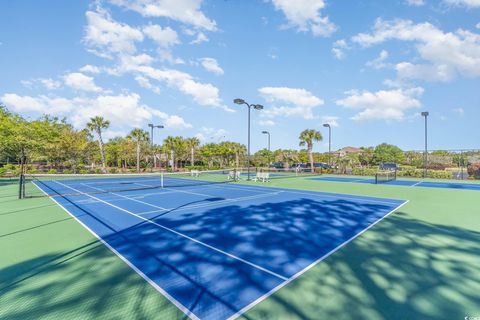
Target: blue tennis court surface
[(216, 250), (408, 183)]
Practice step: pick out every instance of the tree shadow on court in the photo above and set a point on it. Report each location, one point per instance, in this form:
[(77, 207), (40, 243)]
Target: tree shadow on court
[(400, 269)]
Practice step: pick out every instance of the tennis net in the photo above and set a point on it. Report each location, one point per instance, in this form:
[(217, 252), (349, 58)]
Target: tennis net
[(36, 185), (286, 172), (385, 176)]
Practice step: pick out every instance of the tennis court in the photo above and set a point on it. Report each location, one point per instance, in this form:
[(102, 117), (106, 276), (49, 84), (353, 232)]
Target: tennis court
[(407, 183), (215, 249)]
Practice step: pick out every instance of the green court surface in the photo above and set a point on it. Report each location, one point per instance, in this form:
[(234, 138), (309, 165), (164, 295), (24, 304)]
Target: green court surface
[(421, 262)]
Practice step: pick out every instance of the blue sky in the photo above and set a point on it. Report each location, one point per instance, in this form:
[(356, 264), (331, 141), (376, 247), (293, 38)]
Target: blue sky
[(367, 67)]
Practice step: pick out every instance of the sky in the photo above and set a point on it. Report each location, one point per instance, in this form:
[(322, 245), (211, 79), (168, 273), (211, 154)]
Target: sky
[(368, 68)]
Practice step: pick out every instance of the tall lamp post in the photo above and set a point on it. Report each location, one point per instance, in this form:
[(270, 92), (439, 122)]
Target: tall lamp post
[(250, 106), (326, 125), (268, 133), (151, 125), (425, 155)]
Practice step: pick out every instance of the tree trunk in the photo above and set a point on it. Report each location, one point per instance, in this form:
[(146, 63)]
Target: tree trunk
[(172, 158), (138, 156), (192, 160), (237, 160), (310, 155), (102, 151)]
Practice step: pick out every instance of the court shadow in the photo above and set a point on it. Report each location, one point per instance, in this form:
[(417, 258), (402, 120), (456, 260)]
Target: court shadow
[(402, 268)]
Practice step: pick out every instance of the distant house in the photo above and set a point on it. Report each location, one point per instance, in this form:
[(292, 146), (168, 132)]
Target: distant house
[(347, 150)]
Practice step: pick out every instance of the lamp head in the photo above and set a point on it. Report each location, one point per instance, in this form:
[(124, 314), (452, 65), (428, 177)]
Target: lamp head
[(257, 107), (265, 132), (326, 125), (239, 101), (150, 125), (160, 127), (425, 114)]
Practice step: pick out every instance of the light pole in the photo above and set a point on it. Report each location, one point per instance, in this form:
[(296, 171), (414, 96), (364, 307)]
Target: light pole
[(268, 133), (151, 125), (326, 125), (425, 156), (256, 107)]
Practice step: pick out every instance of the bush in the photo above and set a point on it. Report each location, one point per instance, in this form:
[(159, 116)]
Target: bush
[(364, 171), (474, 170), (52, 171), (112, 170)]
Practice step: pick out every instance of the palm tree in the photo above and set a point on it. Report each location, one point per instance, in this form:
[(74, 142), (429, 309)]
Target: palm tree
[(138, 136), (170, 143), (193, 144), (96, 125), (306, 138)]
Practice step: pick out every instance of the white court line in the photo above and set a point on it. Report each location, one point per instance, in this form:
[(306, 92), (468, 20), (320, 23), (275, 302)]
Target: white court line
[(195, 206), (182, 235), (319, 193), (295, 276), (125, 197), (114, 182), (175, 190), (180, 306), (416, 184), (162, 209)]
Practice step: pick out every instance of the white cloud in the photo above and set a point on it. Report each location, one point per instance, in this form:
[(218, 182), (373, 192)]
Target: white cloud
[(463, 3), (338, 49), (104, 35), (207, 135), (459, 111), (477, 25), (41, 104), (79, 81), (267, 123), (121, 110), (145, 83), (48, 83), (305, 16), (201, 37), (163, 37), (211, 65), (446, 55), (185, 11), (415, 3), (331, 120), (202, 93), (298, 102), (383, 104), (88, 68), (379, 62)]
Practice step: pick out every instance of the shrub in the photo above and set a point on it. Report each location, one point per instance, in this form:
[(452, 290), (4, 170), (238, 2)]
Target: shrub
[(112, 170), (474, 170), (52, 171)]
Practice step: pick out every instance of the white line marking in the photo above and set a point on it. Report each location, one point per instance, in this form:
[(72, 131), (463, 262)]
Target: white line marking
[(183, 235), (281, 285), (195, 206), (125, 197), (317, 193), (416, 184), (131, 265)]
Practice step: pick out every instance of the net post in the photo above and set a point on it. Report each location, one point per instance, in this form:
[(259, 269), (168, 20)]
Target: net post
[(21, 189), (161, 181)]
